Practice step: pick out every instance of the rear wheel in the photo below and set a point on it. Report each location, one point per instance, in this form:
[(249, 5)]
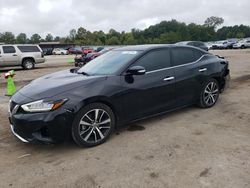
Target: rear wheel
[(209, 94), (93, 125), (28, 64)]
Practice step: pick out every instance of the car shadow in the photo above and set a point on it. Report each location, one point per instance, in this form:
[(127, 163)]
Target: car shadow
[(11, 68)]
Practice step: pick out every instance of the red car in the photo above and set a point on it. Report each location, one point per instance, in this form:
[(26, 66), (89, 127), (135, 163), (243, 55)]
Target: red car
[(75, 51), (82, 60), (87, 50)]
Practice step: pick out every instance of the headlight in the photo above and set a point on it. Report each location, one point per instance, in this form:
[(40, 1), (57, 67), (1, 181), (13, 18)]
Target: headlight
[(43, 106)]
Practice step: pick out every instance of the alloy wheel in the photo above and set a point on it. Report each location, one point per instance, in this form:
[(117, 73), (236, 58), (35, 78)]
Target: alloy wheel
[(94, 126), (29, 65), (211, 93)]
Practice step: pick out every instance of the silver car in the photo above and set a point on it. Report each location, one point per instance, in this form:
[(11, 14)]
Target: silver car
[(20, 55)]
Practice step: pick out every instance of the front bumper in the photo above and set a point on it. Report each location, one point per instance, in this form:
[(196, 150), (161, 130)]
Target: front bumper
[(236, 47), (17, 135), (47, 127), (226, 80)]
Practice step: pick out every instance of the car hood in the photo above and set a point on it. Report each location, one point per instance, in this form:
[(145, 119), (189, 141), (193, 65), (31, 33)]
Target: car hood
[(56, 83)]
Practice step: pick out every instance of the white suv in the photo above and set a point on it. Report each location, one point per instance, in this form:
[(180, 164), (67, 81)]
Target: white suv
[(20, 55), (245, 43)]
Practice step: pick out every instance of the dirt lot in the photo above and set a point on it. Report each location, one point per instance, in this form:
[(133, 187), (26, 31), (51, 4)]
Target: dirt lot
[(188, 148)]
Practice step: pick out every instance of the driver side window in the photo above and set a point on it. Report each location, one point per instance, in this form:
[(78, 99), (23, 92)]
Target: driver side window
[(155, 60)]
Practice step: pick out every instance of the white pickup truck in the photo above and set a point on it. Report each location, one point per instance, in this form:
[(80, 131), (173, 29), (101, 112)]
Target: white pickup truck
[(21, 55)]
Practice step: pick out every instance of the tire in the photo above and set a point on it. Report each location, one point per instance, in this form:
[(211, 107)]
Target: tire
[(242, 47), (89, 129), (28, 64), (209, 94)]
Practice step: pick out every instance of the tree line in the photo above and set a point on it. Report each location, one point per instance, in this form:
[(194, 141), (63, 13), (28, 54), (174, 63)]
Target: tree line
[(164, 32)]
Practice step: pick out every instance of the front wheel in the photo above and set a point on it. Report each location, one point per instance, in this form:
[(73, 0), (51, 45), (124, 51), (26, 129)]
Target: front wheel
[(209, 94), (93, 125)]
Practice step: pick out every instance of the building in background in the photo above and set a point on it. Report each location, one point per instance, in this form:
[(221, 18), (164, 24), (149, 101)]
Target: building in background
[(48, 47)]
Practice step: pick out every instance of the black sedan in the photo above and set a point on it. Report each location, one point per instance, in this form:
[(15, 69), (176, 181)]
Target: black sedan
[(121, 86)]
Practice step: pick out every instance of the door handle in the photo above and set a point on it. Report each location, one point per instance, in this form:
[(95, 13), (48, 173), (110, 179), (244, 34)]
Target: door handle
[(14, 55), (203, 70), (169, 78)]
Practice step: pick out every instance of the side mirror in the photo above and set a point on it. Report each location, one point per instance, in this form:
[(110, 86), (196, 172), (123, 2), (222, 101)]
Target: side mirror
[(136, 70)]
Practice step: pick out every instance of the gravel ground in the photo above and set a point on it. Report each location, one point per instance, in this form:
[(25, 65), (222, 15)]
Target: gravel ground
[(188, 148)]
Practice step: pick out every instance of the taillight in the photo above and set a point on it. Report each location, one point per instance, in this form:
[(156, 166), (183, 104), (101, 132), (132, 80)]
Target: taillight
[(42, 54)]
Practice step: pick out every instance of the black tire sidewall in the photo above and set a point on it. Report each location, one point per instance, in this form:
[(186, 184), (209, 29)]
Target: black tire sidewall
[(202, 103), (75, 133), (25, 66)]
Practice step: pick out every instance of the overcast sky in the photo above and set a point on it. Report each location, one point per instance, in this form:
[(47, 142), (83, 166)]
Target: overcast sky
[(59, 16)]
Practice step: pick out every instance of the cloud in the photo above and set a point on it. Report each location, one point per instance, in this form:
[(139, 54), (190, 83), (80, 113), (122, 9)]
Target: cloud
[(59, 16)]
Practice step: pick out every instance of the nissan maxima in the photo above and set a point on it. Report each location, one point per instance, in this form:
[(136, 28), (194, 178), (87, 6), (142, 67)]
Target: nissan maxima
[(119, 87)]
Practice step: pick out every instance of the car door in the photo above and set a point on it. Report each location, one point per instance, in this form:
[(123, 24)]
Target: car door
[(189, 73), (1, 58), (152, 92), (248, 43), (9, 56)]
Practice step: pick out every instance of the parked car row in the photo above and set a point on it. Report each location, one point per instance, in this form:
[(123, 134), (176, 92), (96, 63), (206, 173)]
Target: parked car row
[(229, 44), (84, 50), (72, 50)]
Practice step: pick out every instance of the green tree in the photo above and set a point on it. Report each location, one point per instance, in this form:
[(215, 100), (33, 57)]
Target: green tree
[(170, 37), (113, 41), (21, 38), (81, 36), (57, 39), (7, 38), (128, 39), (213, 21), (35, 38), (240, 35), (49, 38), (72, 35)]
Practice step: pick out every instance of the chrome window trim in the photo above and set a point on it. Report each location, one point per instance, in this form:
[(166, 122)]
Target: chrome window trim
[(157, 70)]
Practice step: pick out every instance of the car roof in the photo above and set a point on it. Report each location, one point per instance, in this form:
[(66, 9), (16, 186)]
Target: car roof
[(147, 47), (142, 47), (186, 42), (19, 45)]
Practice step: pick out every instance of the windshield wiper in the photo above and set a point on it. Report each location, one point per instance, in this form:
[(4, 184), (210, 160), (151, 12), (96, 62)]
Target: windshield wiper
[(83, 73)]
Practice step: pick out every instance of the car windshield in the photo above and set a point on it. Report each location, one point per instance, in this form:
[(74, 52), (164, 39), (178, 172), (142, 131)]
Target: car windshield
[(108, 63)]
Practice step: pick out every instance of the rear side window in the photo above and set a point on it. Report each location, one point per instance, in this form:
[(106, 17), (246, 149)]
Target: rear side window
[(183, 55), (9, 49), (197, 54), (28, 48), (155, 60)]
